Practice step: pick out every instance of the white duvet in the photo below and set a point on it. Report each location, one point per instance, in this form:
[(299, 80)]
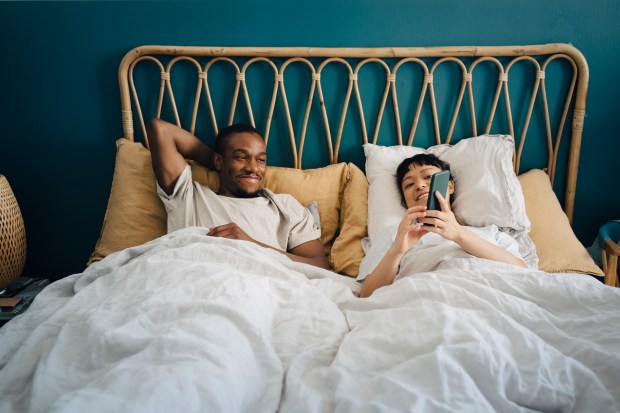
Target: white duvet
[(191, 323)]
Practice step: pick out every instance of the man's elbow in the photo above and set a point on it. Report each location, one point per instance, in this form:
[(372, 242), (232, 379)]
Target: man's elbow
[(155, 129), (322, 262)]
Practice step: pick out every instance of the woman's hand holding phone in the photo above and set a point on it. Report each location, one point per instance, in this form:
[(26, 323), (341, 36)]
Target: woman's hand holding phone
[(443, 222)]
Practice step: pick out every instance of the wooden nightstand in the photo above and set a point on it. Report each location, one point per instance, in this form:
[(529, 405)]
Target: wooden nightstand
[(611, 251), (608, 235), (27, 289)]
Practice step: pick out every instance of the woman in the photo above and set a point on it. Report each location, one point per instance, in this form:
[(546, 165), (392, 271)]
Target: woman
[(413, 176)]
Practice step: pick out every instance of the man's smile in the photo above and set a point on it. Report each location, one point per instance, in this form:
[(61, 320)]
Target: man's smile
[(249, 178)]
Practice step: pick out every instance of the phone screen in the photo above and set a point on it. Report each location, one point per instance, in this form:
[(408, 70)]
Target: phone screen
[(439, 182)]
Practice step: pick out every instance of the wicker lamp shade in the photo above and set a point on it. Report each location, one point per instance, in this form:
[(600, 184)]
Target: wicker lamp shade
[(12, 236)]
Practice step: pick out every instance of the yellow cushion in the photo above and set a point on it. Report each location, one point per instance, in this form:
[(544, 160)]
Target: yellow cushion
[(136, 215), (557, 247), (323, 185), (347, 252)]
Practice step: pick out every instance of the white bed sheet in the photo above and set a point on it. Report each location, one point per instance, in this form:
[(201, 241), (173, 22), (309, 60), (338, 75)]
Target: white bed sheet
[(193, 323)]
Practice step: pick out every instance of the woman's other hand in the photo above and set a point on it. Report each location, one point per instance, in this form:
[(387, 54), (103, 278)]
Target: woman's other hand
[(410, 229)]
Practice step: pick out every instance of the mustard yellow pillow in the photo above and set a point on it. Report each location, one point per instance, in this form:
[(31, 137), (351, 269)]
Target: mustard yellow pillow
[(347, 252), (323, 185), (136, 215), (557, 247)]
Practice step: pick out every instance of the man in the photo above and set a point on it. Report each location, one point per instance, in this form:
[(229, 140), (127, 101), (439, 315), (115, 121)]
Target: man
[(242, 209)]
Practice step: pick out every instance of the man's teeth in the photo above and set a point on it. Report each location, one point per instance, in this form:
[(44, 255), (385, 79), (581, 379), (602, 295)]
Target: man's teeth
[(422, 196)]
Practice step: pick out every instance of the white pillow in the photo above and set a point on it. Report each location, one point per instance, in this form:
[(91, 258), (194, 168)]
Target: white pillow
[(487, 190)]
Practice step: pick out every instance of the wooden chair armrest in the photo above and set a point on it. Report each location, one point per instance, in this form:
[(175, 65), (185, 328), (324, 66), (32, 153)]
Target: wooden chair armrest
[(610, 253)]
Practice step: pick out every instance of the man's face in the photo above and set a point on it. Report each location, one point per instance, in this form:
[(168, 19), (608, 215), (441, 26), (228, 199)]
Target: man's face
[(242, 166)]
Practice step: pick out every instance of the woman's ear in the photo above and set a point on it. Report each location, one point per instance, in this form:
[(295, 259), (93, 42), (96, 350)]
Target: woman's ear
[(450, 187)]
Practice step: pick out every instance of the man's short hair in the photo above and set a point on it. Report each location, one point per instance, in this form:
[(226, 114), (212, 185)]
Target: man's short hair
[(223, 135)]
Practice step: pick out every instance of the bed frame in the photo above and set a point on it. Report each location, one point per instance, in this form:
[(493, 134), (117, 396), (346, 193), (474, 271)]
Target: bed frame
[(449, 92)]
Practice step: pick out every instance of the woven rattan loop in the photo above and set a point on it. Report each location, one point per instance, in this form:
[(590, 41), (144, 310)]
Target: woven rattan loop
[(240, 76), (391, 77), (12, 236), (165, 76), (540, 74), (503, 77), (467, 77), (353, 77), (578, 118), (316, 76), (127, 121), (428, 78), (279, 77), (202, 75)]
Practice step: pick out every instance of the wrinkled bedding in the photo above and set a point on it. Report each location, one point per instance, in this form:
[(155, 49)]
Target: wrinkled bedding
[(194, 323)]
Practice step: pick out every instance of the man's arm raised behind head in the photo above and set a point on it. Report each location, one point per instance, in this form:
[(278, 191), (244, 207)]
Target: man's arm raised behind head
[(170, 146)]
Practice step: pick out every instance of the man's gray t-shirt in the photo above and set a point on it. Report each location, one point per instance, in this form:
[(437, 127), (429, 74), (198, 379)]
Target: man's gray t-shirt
[(278, 220)]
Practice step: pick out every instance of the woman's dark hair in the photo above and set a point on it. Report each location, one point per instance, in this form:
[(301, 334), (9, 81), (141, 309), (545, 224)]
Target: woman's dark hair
[(421, 159), (227, 132)]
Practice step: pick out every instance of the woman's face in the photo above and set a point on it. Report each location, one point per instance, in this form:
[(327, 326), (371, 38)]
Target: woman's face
[(416, 184)]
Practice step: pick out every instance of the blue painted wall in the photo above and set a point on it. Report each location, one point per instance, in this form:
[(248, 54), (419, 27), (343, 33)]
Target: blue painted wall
[(60, 110)]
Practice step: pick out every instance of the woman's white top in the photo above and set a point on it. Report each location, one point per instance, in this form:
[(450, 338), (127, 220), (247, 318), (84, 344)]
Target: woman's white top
[(430, 250)]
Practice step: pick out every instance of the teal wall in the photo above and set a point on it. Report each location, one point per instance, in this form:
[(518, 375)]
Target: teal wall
[(60, 110)]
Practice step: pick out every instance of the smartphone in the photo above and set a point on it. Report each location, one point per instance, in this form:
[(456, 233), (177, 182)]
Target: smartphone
[(439, 182)]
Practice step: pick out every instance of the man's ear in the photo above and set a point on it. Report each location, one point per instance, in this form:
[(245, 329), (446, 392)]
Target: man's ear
[(217, 161)]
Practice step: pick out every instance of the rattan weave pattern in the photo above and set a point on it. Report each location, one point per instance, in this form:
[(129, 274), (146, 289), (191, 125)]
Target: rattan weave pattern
[(12, 235)]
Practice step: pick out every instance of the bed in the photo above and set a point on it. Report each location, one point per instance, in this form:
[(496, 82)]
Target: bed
[(186, 322)]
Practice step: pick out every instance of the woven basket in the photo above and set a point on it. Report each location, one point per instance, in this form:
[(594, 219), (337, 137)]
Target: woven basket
[(12, 236)]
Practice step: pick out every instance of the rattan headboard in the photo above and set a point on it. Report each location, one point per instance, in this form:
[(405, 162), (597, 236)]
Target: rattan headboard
[(383, 113)]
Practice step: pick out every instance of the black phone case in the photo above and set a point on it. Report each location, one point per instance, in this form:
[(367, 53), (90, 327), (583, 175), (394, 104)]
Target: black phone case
[(439, 182)]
